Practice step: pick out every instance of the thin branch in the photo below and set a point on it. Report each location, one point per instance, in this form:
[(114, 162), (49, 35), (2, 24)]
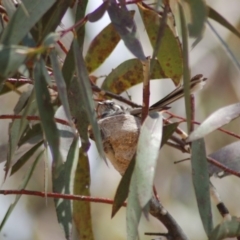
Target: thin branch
[(223, 167), (159, 212), (105, 93), (198, 123), (58, 196)]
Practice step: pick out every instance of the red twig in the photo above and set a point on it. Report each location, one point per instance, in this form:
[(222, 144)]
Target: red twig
[(32, 118), (58, 195), (223, 167), (198, 123)]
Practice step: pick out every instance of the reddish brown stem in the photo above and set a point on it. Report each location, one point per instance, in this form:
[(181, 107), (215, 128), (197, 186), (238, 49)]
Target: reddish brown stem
[(58, 195), (198, 123), (223, 167)]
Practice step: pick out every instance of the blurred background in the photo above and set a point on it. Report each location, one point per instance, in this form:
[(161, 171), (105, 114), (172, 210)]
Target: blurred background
[(35, 218)]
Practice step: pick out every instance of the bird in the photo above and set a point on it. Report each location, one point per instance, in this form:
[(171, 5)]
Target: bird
[(120, 126)]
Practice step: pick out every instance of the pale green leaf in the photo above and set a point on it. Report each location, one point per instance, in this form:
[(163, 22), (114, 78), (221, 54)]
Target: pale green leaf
[(201, 183)]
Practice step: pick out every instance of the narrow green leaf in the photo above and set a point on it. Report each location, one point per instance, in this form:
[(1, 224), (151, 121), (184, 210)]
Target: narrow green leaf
[(149, 143), (98, 13), (82, 210), (16, 130), (101, 47), (85, 88), (200, 179), (227, 229), (29, 109), (61, 85), (125, 26), (216, 120), (11, 57), (123, 188), (213, 14), (22, 186), (25, 157), (12, 143), (128, 74), (75, 96), (198, 11), (46, 113), (50, 20), (133, 212), (30, 133), (20, 23), (62, 184), (22, 101), (186, 70), (69, 66), (170, 53), (78, 111), (225, 45), (168, 131)]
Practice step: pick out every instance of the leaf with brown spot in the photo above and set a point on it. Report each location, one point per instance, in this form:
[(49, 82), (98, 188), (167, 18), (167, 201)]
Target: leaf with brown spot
[(82, 210), (101, 47), (128, 74), (170, 53)]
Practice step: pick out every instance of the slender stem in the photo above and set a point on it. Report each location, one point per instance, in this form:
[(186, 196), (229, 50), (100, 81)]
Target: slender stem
[(198, 123), (58, 195)]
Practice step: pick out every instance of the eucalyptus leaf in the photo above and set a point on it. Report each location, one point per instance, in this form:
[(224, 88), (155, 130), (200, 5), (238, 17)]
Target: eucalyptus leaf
[(101, 47), (216, 120), (22, 186), (133, 212), (61, 85), (98, 13), (123, 188), (201, 182), (25, 157), (149, 143), (198, 11), (62, 184), (21, 23), (170, 53), (227, 229), (51, 19), (82, 210), (85, 88), (186, 69), (128, 74), (168, 131), (213, 14), (126, 28), (11, 57), (46, 113), (32, 133)]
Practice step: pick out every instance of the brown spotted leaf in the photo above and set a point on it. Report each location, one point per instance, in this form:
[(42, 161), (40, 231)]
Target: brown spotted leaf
[(101, 47), (81, 209), (169, 54), (128, 74)]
